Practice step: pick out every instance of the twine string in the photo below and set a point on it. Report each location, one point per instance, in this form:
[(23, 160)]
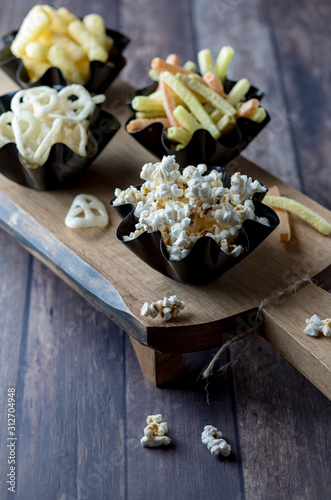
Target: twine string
[(273, 298)]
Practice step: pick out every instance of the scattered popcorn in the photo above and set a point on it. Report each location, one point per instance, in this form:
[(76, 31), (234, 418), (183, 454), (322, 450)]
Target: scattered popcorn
[(316, 326), (214, 441), (190, 204), (166, 308), (155, 432), (86, 211)]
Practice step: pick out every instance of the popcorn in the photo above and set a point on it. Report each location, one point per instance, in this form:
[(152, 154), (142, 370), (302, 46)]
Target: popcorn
[(188, 205), (214, 441), (155, 432), (316, 326), (167, 308)]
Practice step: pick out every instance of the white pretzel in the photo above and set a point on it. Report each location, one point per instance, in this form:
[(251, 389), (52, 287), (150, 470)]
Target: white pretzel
[(6, 131), (34, 129), (26, 129), (86, 205), (51, 138), (79, 109), (42, 99)]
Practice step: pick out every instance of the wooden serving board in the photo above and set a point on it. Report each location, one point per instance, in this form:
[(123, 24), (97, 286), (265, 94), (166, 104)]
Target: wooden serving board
[(114, 280)]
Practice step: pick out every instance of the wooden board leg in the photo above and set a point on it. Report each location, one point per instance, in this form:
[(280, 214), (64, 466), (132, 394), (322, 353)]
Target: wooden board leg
[(158, 368)]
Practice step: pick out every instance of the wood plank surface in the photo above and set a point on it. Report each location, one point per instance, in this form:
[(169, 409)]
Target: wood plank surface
[(81, 413), (86, 259)]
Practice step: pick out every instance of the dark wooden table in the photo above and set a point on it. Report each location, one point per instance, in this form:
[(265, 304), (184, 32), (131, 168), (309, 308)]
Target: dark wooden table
[(81, 398)]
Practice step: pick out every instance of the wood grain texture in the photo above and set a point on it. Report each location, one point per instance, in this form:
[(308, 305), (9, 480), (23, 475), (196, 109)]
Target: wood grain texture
[(306, 79), (276, 421), (280, 419), (73, 388), (36, 219), (157, 367), (254, 59)]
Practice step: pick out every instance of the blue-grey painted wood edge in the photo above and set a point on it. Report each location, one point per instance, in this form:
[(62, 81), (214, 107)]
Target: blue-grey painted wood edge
[(101, 294), (86, 280)]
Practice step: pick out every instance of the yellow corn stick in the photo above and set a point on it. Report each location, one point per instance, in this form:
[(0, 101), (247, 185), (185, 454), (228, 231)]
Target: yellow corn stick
[(216, 100), (150, 114), (176, 134), (186, 119), (192, 103), (209, 108), (205, 61), (259, 115), (226, 123), (154, 75), (157, 94), (190, 66), (216, 115), (161, 65), (222, 62), (305, 213), (143, 103), (135, 125), (284, 222), (238, 91)]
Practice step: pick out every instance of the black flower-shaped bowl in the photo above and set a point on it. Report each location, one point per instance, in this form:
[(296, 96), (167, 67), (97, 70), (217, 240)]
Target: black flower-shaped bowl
[(202, 148), (206, 261), (63, 167), (102, 74)]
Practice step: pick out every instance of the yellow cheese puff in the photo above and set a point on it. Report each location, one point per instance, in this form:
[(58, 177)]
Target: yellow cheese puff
[(94, 50), (72, 49), (36, 50), (109, 43), (58, 58), (57, 23), (35, 68), (66, 16), (96, 26), (33, 25), (83, 67)]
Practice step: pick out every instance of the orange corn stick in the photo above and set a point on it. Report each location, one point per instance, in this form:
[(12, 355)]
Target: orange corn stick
[(169, 104), (161, 65), (248, 108), (284, 221), (214, 83), (135, 125), (173, 59)]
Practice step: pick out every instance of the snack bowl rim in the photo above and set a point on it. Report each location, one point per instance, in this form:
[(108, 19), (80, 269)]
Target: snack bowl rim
[(206, 260), (156, 129), (27, 176), (53, 75)]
